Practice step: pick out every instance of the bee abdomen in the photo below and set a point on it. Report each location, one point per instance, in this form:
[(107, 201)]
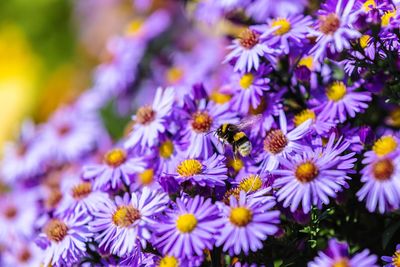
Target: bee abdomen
[(245, 148)]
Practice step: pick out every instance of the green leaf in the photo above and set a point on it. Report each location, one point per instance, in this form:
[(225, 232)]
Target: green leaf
[(388, 234)]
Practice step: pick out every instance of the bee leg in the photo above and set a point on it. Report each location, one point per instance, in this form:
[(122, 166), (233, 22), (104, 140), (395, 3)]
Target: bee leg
[(234, 153)]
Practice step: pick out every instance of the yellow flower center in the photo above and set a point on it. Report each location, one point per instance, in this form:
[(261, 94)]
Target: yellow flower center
[(81, 190), (283, 24), (329, 24), (240, 216), (134, 27), (368, 5), (168, 261), (364, 40), (189, 167), (56, 230), (394, 117), (383, 169), (248, 38), (237, 164), (201, 122), (124, 216), (146, 177), (186, 223), (275, 141), (304, 116), (306, 172), (343, 262), (396, 259), (220, 98), (384, 145), (385, 19), (246, 80), (307, 62), (174, 75), (166, 149), (251, 183), (336, 91), (115, 157)]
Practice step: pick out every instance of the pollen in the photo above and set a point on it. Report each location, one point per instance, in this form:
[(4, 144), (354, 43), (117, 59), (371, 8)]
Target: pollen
[(383, 169), (275, 141), (189, 167), (146, 177), (283, 24), (248, 38), (81, 190), (56, 230), (343, 262), (303, 116), (387, 17), (145, 115), (329, 24), (201, 122), (336, 91), (306, 62), (306, 172), (186, 223), (364, 40), (368, 5), (251, 183), (166, 149), (220, 98), (240, 216), (396, 259), (246, 80), (115, 157), (237, 164), (168, 261), (385, 145), (124, 216), (174, 75), (235, 192)]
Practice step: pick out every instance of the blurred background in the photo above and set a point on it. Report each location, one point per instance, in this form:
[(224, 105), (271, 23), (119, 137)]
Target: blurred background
[(48, 49)]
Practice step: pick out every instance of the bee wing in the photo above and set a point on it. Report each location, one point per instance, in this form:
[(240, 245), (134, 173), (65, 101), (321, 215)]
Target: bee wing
[(249, 121)]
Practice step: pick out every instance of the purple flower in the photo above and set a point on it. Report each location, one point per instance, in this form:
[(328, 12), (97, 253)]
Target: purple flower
[(248, 49), (343, 101), (337, 254), (188, 229), (247, 222), (279, 143), (209, 172), (120, 224), (151, 121), (21, 253), (117, 167), (381, 178), (313, 176), (287, 31), (392, 261), (64, 239), (335, 29)]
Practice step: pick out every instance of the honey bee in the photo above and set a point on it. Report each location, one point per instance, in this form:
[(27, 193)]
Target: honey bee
[(233, 135)]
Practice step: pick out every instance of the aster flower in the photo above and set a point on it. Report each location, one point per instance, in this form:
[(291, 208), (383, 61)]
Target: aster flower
[(343, 101), (64, 239), (201, 120), (248, 49), (382, 147), (313, 176), (151, 121), (247, 222), (335, 29), (279, 142), (21, 253), (117, 167), (337, 254), (319, 125), (381, 178), (189, 229), (392, 261), (209, 172), (121, 224), (287, 31)]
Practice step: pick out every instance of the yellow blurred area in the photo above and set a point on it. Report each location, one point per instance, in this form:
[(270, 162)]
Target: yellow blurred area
[(19, 73)]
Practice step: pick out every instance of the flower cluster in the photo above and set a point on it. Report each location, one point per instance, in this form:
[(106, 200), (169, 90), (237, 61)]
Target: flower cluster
[(263, 139)]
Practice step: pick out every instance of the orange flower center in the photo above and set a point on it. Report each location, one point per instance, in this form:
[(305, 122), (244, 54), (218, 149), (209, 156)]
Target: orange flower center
[(248, 38), (81, 190), (145, 115), (201, 122), (306, 172), (329, 24), (115, 157), (125, 216), (275, 141), (383, 169), (56, 230)]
